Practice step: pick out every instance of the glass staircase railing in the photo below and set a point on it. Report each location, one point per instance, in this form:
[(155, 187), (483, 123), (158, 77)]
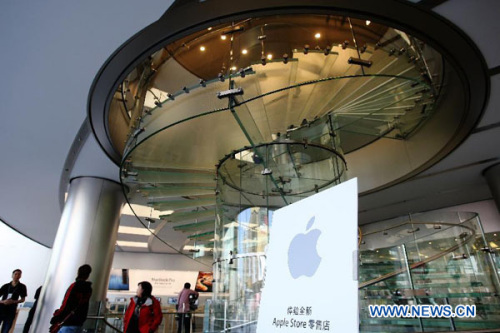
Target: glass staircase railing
[(110, 319), (415, 261)]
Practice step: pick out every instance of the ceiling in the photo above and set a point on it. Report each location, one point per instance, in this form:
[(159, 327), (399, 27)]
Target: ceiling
[(50, 61)]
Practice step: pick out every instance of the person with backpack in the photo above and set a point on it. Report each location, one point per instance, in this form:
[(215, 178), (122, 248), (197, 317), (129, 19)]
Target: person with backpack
[(144, 311), (186, 304)]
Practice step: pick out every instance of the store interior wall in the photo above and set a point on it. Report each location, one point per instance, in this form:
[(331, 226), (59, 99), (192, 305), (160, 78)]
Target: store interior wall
[(18, 251), (157, 261)]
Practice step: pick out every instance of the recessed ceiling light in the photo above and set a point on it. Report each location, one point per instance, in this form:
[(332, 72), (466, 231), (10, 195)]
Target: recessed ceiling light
[(269, 56), (202, 48), (132, 244), (368, 22), (317, 35), (244, 51), (133, 231), (233, 68), (140, 210), (223, 37), (209, 28)]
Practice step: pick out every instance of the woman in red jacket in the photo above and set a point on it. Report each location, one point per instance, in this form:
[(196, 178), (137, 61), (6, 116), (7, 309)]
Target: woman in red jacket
[(144, 312)]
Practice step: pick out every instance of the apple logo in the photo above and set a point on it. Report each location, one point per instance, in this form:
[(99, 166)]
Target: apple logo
[(303, 258)]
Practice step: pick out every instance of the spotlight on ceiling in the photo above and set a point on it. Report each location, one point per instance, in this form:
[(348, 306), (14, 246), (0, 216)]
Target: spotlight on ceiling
[(317, 35)]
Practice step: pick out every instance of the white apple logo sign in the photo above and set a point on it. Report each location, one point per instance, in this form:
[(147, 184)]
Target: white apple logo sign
[(303, 258)]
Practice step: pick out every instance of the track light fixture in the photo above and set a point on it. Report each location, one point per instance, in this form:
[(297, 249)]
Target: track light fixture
[(203, 83), (285, 58)]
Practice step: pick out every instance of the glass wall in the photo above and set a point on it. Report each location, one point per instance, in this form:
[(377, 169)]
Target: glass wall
[(435, 259)]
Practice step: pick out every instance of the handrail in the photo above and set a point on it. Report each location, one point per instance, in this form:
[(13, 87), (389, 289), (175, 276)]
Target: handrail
[(105, 322), (234, 327), (422, 262)]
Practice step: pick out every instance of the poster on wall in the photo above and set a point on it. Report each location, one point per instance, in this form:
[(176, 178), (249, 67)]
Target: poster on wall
[(204, 282), (119, 279), (313, 252), (163, 282)]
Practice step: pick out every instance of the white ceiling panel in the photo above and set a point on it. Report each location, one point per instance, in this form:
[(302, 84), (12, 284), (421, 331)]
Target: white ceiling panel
[(478, 147), (479, 20)]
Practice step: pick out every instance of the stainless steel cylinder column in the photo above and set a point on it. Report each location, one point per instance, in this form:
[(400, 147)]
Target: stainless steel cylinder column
[(492, 175), (86, 235)]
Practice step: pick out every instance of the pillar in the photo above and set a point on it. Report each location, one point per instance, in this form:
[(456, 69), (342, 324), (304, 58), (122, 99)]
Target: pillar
[(492, 175), (87, 235)]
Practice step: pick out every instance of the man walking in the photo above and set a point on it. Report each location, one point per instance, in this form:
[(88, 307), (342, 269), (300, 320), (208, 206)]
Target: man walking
[(12, 294)]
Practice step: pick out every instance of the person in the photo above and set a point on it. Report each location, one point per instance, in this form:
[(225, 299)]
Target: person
[(184, 318), (31, 314), (12, 294), (75, 306), (143, 314)]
